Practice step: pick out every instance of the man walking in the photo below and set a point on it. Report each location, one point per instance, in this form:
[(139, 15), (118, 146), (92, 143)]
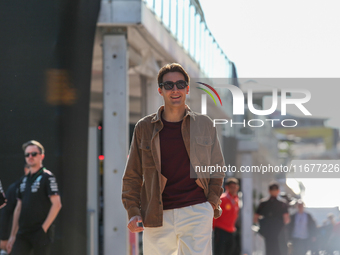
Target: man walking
[(302, 230), (224, 226), (160, 187), (274, 215), (37, 206)]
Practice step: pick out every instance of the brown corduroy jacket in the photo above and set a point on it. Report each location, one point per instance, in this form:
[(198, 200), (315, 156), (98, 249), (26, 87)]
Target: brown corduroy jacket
[(143, 182)]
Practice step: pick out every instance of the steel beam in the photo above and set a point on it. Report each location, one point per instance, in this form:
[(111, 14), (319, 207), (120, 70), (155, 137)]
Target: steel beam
[(115, 140), (92, 193)]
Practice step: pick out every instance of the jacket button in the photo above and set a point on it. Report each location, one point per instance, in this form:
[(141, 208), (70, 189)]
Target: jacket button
[(160, 202), (147, 147), (206, 143), (156, 129)]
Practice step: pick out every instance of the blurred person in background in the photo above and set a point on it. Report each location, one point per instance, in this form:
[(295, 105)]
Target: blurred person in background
[(37, 207), (2, 197), (272, 214), (325, 232), (224, 226), (302, 230), (334, 240), (7, 212)]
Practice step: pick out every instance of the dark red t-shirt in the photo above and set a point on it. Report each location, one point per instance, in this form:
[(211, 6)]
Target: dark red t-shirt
[(180, 189)]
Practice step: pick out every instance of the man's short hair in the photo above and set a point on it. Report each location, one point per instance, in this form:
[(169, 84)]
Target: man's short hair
[(173, 67), (231, 180), (274, 186), (300, 202), (36, 143)]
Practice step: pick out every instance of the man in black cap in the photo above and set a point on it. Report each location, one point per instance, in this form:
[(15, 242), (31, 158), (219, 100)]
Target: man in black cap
[(273, 215)]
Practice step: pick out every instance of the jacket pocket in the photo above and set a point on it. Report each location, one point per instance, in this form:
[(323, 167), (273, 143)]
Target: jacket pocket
[(147, 159), (203, 149)]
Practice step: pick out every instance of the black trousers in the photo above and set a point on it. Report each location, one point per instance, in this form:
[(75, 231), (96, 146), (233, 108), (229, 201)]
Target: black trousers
[(37, 241), (300, 246), (276, 242), (272, 245), (224, 242)]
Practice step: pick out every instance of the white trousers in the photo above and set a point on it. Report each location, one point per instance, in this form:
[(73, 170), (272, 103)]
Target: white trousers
[(185, 231)]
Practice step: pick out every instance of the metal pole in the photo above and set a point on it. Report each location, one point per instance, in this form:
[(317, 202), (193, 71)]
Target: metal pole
[(177, 20), (144, 101), (183, 28), (162, 11), (92, 192), (91, 233), (170, 16), (200, 44), (115, 140), (247, 206), (195, 39), (189, 27)]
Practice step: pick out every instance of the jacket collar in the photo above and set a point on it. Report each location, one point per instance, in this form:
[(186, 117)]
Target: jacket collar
[(36, 174), (188, 112)]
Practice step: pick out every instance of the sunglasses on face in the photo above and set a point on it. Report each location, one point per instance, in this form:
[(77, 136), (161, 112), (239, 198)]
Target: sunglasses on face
[(33, 154), (168, 85)]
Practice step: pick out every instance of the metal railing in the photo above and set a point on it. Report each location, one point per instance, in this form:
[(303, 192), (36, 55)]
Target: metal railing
[(184, 19)]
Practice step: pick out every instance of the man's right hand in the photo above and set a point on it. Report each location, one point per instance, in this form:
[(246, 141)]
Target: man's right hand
[(132, 225), (10, 243)]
